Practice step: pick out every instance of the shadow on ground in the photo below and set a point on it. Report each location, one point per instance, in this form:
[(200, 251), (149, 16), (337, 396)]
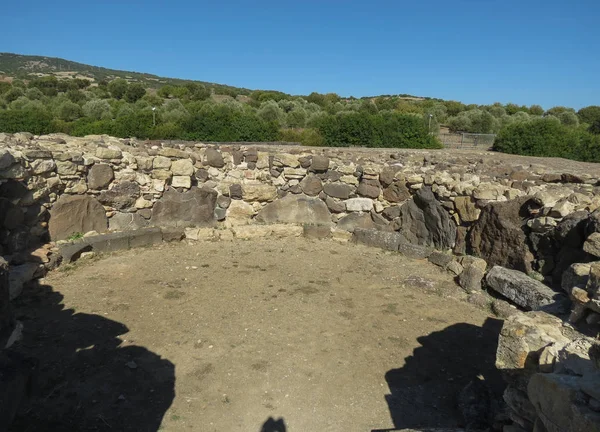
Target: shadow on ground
[(425, 391), (272, 425), (88, 379)]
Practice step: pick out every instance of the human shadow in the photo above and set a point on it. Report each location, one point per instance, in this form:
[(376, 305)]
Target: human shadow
[(428, 389), (272, 425), (88, 378)]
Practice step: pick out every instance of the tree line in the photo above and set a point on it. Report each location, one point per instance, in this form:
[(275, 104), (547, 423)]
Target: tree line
[(195, 112)]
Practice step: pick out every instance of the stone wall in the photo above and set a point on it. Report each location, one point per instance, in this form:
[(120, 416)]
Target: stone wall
[(527, 229)]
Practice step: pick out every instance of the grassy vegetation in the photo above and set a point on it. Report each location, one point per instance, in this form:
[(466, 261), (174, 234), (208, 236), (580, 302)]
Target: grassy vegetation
[(45, 95)]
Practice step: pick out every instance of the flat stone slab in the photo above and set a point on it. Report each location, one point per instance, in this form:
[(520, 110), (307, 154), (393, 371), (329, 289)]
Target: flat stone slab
[(111, 242), (521, 289)]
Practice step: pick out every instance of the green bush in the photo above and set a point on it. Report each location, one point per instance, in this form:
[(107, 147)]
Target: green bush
[(368, 130), (35, 121), (548, 137)]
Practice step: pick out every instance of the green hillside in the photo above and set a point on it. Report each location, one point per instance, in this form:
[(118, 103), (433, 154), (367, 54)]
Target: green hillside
[(28, 66)]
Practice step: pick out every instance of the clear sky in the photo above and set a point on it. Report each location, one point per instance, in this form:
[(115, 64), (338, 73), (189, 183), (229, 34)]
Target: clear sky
[(543, 52)]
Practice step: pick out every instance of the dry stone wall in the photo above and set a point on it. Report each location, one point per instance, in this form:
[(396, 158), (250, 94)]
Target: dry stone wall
[(526, 229)]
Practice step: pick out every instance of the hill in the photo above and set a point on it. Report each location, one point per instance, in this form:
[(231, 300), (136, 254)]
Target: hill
[(28, 67)]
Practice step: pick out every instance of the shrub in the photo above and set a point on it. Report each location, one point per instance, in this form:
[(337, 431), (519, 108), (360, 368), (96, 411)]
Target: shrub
[(34, 121), (589, 115), (134, 92), (547, 137), (69, 111), (97, 109), (14, 94), (387, 130), (117, 88)]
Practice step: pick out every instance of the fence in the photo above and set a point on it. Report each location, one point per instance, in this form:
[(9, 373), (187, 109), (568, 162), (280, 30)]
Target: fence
[(467, 140)]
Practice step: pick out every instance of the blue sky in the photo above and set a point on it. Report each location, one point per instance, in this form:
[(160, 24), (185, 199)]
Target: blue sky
[(476, 51)]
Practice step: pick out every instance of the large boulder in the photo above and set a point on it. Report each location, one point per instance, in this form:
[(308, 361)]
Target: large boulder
[(122, 195), (521, 289), (499, 236), (424, 221), (73, 214), (194, 207), (299, 209), (559, 405)]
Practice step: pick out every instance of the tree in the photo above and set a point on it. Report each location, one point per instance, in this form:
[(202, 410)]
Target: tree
[(13, 94), (97, 109), (270, 111), (589, 114), (34, 94), (75, 96), (118, 88), (555, 111), (568, 118), (4, 87), (69, 111), (536, 110), (197, 91), (134, 92)]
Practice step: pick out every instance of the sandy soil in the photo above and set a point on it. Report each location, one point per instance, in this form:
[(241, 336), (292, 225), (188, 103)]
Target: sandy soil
[(222, 336)]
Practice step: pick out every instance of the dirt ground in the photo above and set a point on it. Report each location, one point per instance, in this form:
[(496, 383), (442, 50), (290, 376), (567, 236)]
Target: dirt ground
[(222, 336)]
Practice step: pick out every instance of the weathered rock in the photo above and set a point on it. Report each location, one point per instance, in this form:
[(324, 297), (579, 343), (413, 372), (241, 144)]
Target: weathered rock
[(576, 275), (41, 166), (259, 192), (396, 192), (424, 221), (99, 176), (223, 201), (338, 190), (559, 405), (73, 214), (108, 153), (356, 220), (334, 205), (239, 210), (299, 209), (236, 192), (498, 235), (388, 175), (6, 159), (311, 185), (521, 340), (182, 167), (359, 204), (375, 238), (286, 160), (369, 188), (319, 163), (181, 182), (194, 207), (521, 289), (121, 195), (592, 244), (126, 221), (214, 158), (66, 168), (470, 279), (440, 259), (20, 275), (467, 211), (161, 162)]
